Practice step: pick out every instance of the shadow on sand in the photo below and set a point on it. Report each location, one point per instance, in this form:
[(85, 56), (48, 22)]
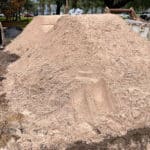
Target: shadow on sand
[(137, 139)]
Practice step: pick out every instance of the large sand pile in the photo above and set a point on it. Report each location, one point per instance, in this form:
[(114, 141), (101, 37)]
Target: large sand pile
[(78, 78)]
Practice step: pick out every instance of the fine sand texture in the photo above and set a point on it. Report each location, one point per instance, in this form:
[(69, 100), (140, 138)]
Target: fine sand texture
[(78, 78)]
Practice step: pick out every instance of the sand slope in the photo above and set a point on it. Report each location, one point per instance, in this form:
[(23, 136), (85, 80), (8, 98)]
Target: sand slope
[(78, 78)]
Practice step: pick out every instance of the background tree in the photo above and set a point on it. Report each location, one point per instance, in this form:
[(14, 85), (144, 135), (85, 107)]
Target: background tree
[(90, 5), (30, 6), (116, 3), (59, 4), (140, 5), (12, 8), (42, 6)]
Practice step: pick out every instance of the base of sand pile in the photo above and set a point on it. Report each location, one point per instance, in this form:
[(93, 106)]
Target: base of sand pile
[(79, 78)]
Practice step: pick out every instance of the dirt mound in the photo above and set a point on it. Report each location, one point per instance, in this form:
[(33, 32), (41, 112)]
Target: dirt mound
[(33, 34), (78, 78)]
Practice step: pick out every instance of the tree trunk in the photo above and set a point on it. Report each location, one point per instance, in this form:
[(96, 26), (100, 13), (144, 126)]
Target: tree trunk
[(1, 37), (19, 17), (59, 4), (66, 3), (16, 16), (58, 10), (43, 8)]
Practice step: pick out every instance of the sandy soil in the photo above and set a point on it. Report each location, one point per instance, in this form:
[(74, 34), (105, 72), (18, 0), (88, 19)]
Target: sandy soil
[(78, 78)]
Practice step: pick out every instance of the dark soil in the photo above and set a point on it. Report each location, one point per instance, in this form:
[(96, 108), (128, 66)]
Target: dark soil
[(137, 139), (5, 59)]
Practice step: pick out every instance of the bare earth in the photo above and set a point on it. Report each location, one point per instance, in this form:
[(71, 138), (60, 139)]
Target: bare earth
[(78, 78)]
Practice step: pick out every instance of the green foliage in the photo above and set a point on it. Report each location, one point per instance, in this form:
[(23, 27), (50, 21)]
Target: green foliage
[(11, 8), (32, 6), (140, 4), (22, 23), (90, 4), (29, 5)]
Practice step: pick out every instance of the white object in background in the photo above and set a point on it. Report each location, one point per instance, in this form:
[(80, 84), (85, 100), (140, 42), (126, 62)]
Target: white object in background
[(140, 27), (2, 15), (74, 11)]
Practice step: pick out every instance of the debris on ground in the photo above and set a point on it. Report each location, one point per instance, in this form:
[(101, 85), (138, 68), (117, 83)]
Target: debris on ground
[(143, 28)]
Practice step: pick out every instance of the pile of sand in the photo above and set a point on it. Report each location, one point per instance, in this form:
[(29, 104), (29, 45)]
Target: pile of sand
[(78, 78)]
